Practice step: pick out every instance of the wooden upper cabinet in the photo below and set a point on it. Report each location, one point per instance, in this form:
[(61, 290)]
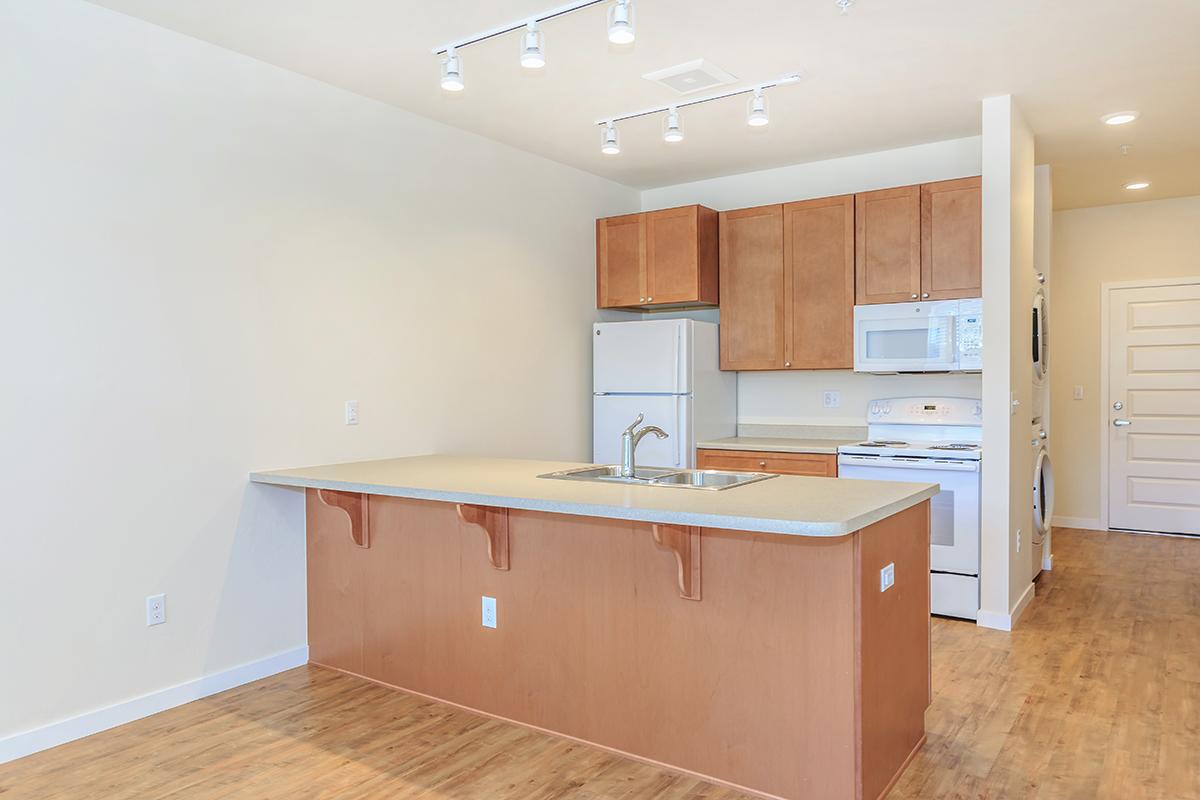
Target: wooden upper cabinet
[(657, 258), (951, 252), (888, 245), (752, 288), (818, 254), (621, 261)]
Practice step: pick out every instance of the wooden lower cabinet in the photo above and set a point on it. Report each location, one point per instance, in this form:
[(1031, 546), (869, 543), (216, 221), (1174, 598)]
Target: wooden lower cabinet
[(790, 674), (814, 464)]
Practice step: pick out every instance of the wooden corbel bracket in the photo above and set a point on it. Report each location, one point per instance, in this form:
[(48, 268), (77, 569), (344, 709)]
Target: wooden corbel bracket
[(684, 542), (356, 507), (494, 522)]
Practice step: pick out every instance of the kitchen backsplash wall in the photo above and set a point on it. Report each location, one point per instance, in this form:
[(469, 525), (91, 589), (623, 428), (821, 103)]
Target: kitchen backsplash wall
[(797, 398)]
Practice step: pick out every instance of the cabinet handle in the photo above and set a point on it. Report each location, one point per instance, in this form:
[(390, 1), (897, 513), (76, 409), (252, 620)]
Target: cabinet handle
[(914, 296), (641, 299), (762, 464), (925, 294), (649, 299), (787, 363)]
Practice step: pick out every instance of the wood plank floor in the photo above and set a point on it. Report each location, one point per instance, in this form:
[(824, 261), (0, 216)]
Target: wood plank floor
[(1096, 695)]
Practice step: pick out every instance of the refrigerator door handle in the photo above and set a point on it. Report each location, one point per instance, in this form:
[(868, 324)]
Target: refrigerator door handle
[(678, 365), (678, 433)]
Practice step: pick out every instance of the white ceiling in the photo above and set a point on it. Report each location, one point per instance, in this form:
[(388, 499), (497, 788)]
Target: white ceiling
[(890, 73)]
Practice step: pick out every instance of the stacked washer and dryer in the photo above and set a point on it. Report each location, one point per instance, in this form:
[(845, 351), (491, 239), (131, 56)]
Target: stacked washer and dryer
[(1043, 473)]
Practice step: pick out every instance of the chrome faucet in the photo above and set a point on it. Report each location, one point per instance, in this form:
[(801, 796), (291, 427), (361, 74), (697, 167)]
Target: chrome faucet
[(629, 442)]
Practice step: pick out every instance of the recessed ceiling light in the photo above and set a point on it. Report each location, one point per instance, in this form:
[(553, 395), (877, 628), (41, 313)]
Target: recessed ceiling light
[(1137, 185), (1120, 117)]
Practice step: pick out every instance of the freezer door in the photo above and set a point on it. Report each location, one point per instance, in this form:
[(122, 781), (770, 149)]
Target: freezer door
[(613, 413), (644, 357)]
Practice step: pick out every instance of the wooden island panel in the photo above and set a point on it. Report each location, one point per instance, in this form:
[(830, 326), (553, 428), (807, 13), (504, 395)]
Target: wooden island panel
[(769, 682)]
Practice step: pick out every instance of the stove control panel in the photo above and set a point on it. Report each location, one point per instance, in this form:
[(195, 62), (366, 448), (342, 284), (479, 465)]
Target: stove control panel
[(926, 411)]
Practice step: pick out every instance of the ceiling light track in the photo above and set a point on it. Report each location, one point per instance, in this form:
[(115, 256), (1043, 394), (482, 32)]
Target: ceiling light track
[(755, 89), (516, 26)]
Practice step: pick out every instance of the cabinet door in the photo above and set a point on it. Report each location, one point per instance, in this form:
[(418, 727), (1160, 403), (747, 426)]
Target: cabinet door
[(818, 252), (814, 464), (672, 255), (888, 245), (752, 307), (951, 252), (621, 261)]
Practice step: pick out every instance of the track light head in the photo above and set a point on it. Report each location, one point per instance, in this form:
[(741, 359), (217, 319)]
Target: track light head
[(610, 144), (533, 51), (620, 22), (672, 127), (452, 73), (758, 116)]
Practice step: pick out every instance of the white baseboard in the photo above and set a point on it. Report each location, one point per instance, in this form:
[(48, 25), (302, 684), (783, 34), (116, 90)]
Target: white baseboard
[(1004, 622), (67, 730), (1085, 523)]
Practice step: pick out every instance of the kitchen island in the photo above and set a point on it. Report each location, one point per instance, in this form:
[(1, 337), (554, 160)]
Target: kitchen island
[(744, 635)]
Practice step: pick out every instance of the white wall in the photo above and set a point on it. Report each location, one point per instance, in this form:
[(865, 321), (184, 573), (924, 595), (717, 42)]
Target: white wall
[(203, 257), (1092, 246), (1008, 281), (796, 398)]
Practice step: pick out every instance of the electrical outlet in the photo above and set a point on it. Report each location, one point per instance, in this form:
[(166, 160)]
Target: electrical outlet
[(1018, 540), (887, 577), (833, 399), (156, 609), (489, 612), (351, 412), (1078, 391)]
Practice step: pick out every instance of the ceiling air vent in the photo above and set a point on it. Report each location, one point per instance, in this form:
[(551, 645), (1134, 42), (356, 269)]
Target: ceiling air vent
[(691, 76)]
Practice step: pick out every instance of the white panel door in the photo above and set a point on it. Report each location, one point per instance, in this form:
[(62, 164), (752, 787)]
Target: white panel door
[(613, 413), (645, 357), (1154, 409)]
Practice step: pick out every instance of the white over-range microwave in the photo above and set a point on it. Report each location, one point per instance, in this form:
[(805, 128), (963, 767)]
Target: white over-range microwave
[(934, 336)]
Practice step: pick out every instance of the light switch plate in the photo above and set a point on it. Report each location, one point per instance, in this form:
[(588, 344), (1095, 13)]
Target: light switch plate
[(1078, 395), (489, 612), (887, 577), (351, 412)]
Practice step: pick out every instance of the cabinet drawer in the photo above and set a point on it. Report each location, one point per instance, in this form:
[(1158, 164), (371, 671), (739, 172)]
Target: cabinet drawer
[(817, 464)]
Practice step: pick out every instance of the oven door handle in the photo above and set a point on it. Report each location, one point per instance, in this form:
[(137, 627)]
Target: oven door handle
[(927, 464)]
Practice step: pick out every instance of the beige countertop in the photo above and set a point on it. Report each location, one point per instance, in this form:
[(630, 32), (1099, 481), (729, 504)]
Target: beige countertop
[(798, 506), (776, 444)]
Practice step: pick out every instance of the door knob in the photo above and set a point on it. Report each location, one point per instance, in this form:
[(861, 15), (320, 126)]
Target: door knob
[(1117, 406), (1122, 423)]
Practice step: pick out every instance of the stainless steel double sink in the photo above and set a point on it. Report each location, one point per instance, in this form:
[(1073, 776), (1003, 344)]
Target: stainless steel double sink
[(712, 480)]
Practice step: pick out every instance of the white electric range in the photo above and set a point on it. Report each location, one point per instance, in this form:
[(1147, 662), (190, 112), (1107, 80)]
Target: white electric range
[(932, 440)]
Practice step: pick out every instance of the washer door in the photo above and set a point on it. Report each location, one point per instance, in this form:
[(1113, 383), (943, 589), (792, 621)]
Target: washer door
[(1043, 492), (1041, 344)]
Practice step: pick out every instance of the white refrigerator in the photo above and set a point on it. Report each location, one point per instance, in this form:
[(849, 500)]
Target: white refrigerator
[(668, 370)]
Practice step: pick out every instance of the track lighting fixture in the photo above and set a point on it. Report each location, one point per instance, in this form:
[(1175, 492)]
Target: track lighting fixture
[(610, 144), (757, 116), (452, 75), (533, 46), (672, 123), (620, 22), (533, 51), (672, 127)]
